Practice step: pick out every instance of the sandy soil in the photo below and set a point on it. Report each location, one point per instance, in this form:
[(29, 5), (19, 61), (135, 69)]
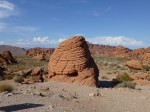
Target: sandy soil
[(66, 97)]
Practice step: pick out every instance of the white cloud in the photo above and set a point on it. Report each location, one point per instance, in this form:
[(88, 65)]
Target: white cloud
[(40, 39), (118, 40), (61, 39), (47, 42), (22, 43), (7, 9), (6, 5)]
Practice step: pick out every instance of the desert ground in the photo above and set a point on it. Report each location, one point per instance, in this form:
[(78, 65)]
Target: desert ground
[(52, 96)]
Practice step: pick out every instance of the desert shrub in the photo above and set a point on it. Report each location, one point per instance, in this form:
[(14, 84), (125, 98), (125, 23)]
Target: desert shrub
[(109, 72), (6, 87), (147, 67), (104, 77), (121, 78), (18, 79), (8, 76), (126, 84)]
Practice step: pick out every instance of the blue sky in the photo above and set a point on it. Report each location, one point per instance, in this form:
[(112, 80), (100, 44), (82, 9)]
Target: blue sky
[(45, 23)]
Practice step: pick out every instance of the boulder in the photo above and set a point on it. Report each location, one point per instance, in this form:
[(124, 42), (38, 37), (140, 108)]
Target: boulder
[(140, 76), (9, 57), (3, 60), (134, 64), (72, 62), (146, 59), (36, 75), (141, 79)]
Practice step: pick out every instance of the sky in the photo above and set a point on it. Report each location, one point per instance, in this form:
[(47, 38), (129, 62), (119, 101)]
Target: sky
[(46, 23)]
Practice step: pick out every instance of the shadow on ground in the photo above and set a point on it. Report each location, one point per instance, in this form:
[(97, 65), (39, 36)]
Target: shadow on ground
[(106, 84), (18, 107)]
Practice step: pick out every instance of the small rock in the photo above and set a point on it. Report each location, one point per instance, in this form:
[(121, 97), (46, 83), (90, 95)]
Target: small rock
[(5, 92), (94, 94), (9, 94), (51, 107)]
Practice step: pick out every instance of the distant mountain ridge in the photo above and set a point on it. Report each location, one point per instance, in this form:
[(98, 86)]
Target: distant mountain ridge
[(116, 51), (13, 49), (95, 49)]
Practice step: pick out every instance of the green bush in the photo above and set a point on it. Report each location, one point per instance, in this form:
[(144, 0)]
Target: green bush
[(18, 79), (122, 78), (8, 76), (6, 87), (147, 67), (126, 84)]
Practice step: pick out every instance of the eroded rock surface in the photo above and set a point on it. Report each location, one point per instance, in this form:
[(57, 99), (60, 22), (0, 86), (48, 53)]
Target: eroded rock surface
[(146, 59), (72, 62)]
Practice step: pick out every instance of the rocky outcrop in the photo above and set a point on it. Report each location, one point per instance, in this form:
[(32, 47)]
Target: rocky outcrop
[(35, 75), (39, 51), (72, 62), (134, 64), (100, 50), (140, 79), (121, 52), (146, 59), (3, 60), (7, 58)]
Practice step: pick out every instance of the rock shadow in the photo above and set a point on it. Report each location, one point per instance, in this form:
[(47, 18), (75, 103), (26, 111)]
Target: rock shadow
[(106, 84), (19, 107)]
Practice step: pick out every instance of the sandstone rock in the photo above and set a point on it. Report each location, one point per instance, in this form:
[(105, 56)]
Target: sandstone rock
[(9, 57), (40, 57), (3, 60), (121, 52), (137, 53), (36, 75), (146, 59), (72, 62), (140, 76), (39, 51), (135, 64), (141, 82)]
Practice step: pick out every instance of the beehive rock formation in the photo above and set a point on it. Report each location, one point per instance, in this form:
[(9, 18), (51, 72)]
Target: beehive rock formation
[(72, 62)]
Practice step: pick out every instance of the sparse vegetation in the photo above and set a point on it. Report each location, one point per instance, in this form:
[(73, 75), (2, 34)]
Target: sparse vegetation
[(126, 84), (147, 67), (18, 79), (104, 77), (26, 62), (8, 76), (6, 87), (121, 78)]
